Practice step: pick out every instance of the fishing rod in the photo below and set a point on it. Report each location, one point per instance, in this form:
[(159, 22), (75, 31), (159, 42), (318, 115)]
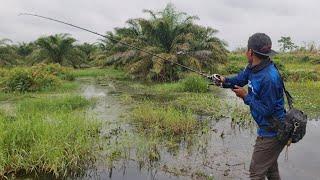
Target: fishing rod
[(216, 78)]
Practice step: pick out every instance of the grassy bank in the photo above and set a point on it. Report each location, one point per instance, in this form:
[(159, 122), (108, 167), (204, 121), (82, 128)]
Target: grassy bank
[(44, 129), (294, 67), (306, 96), (47, 135), (302, 75), (100, 72)]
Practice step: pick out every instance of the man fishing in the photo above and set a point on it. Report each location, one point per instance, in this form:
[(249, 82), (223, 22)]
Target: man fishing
[(265, 99)]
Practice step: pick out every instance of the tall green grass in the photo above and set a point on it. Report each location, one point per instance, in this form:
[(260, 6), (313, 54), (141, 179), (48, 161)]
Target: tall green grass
[(96, 72), (194, 83), (158, 121), (306, 96), (201, 104), (47, 135)]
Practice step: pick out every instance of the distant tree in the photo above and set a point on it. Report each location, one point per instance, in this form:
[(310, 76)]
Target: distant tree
[(24, 49), (88, 50), (286, 44), (167, 33), (59, 49), (8, 56)]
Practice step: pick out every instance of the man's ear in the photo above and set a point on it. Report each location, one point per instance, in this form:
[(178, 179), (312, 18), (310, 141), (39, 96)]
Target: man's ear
[(250, 52)]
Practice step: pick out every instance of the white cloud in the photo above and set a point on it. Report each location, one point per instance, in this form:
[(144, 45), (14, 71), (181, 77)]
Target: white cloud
[(236, 20)]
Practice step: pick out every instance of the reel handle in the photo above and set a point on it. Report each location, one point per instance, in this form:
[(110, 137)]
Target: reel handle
[(216, 78)]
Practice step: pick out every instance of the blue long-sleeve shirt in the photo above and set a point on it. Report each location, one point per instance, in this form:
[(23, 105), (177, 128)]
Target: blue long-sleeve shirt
[(265, 95)]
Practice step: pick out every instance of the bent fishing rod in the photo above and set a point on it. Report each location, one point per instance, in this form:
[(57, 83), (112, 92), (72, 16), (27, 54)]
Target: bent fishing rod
[(215, 77)]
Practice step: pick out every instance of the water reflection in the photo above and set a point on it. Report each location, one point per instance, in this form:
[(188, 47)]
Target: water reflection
[(223, 151)]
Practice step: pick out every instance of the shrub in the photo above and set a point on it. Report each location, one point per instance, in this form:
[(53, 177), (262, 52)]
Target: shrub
[(63, 73), (194, 83), (23, 80), (19, 80), (305, 58)]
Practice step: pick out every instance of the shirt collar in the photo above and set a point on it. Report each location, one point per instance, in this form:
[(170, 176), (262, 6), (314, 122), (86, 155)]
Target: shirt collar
[(263, 64)]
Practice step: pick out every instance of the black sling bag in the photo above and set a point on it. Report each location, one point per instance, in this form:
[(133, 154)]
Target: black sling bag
[(294, 127)]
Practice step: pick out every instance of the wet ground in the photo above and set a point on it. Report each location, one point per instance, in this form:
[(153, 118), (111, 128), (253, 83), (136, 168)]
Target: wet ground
[(224, 152)]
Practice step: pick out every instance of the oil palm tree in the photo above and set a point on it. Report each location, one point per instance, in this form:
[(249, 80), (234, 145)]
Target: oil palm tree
[(88, 50), (170, 34), (59, 49), (8, 57)]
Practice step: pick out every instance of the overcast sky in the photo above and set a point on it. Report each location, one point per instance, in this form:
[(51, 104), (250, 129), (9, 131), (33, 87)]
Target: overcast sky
[(236, 20)]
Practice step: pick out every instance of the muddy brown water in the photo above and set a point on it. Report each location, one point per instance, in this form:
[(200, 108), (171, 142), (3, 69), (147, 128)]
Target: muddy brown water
[(224, 152)]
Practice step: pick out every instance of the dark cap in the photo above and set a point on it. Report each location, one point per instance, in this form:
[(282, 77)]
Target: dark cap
[(260, 43)]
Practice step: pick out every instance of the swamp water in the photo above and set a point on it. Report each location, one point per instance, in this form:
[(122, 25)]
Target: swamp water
[(224, 152)]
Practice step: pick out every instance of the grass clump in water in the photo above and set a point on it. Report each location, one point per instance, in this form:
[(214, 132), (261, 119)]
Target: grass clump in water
[(48, 135), (54, 104), (164, 120), (202, 104), (195, 83)]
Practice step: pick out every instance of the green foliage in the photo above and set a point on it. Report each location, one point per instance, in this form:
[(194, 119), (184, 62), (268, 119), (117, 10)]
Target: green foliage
[(25, 49), (65, 103), (306, 96), (201, 104), (8, 57), (23, 80), (163, 120), (95, 72), (301, 75), (35, 78), (89, 51), (19, 80), (233, 68), (286, 44), (170, 34), (50, 135), (237, 57), (240, 115), (280, 65), (61, 72), (194, 83), (59, 49)]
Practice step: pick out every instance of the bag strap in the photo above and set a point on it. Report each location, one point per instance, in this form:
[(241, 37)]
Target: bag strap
[(288, 95)]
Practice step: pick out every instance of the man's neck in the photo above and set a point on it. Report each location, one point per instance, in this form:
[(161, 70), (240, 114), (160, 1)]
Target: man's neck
[(256, 61)]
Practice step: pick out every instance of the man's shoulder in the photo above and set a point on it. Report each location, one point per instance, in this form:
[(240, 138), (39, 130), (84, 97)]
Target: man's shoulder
[(270, 74)]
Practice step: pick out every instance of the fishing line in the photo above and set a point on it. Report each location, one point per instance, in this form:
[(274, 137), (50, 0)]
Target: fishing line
[(112, 39)]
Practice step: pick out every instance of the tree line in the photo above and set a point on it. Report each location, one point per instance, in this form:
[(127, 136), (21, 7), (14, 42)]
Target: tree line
[(168, 33)]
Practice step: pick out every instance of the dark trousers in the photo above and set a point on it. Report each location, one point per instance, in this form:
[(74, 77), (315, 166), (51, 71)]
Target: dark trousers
[(264, 162)]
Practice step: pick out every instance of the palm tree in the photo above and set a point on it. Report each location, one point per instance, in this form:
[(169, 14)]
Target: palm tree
[(59, 49), (88, 50), (8, 56), (25, 49), (170, 34)]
